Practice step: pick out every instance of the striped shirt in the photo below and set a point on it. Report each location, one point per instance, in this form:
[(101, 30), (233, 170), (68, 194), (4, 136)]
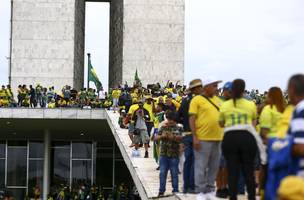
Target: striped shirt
[(296, 129)]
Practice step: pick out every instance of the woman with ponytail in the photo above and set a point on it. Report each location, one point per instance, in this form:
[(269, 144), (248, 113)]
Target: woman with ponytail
[(239, 146)]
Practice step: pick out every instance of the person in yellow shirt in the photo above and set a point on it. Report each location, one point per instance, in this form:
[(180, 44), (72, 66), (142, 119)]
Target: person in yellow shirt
[(150, 107), (107, 104), (62, 103), (52, 104), (283, 123), (131, 127), (115, 96), (207, 137), (272, 113), (239, 146), (4, 102), (3, 91)]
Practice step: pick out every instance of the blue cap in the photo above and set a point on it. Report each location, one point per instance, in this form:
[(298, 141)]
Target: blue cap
[(227, 86)]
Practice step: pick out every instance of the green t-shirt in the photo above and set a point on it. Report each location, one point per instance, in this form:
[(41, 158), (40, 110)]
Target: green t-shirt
[(167, 147)]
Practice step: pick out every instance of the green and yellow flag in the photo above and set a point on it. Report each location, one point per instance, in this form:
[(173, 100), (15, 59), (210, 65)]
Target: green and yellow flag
[(136, 78), (92, 75)]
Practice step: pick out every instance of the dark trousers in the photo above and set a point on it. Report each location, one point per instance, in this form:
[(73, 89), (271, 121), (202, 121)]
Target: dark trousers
[(188, 173), (149, 125), (239, 149)]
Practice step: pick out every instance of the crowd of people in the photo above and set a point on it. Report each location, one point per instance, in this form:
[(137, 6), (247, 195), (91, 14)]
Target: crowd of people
[(228, 139), (230, 136), (43, 97)]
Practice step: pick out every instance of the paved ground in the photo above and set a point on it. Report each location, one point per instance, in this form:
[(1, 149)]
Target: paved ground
[(144, 168)]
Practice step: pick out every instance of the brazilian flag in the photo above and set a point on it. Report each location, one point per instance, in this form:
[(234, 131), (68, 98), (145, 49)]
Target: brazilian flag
[(92, 76)]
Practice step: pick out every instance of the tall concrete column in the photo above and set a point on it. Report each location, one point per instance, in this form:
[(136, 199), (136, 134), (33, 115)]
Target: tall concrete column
[(147, 35), (46, 164), (47, 43)]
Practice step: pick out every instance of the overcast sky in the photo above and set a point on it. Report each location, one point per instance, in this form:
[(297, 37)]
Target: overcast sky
[(260, 41)]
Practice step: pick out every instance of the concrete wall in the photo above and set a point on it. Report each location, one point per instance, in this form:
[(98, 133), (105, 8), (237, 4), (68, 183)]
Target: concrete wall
[(48, 42), (44, 49), (79, 43), (58, 113), (153, 41), (116, 43)]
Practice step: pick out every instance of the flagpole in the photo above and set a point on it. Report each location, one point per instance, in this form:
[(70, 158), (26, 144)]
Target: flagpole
[(88, 81)]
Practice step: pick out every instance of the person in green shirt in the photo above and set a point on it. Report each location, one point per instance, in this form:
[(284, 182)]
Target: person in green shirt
[(272, 113), (239, 146)]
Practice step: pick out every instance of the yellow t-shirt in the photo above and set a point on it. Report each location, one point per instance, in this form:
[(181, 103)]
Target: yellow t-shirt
[(179, 99), (170, 90), (244, 112), (269, 119), (283, 123), (2, 93), (51, 105), (207, 117), (116, 94), (132, 109), (176, 104), (149, 108)]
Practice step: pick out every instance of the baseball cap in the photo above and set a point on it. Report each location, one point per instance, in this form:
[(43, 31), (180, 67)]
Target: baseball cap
[(227, 86)]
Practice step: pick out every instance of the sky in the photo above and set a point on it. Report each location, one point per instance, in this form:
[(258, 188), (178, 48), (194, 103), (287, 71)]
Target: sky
[(259, 41)]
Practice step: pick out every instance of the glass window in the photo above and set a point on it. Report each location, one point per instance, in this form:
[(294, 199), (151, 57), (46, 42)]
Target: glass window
[(60, 166), (81, 172), (62, 144), (35, 177), (17, 193), (16, 166), (2, 149), (82, 150), (2, 173), (36, 149), (17, 143)]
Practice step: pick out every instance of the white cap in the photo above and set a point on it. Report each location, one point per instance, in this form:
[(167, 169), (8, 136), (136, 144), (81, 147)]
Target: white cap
[(210, 80)]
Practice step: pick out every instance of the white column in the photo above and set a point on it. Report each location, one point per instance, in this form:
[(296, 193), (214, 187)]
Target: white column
[(46, 164)]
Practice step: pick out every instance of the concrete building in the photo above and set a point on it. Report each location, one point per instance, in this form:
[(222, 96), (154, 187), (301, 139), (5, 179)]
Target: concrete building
[(47, 43), (45, 148), (54, 148)]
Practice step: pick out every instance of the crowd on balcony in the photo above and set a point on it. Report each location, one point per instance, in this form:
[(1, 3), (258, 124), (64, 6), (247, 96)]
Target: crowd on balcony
[(41, 97)]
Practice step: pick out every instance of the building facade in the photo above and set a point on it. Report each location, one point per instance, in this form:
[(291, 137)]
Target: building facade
[(47, 42), (49, 150)]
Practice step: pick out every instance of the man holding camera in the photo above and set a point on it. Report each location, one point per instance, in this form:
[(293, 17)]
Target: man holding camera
[(140, 117)]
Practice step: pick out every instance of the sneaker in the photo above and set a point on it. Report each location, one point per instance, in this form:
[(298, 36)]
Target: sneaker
[(226, 193), (135, 153), (219, 193), (161, 194), (146, 154), (201, 196), (211, 196), (222, 193), (138, 153)]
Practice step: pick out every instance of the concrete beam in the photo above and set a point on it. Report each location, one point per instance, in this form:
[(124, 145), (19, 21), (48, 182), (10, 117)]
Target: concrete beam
[(58, 113)]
